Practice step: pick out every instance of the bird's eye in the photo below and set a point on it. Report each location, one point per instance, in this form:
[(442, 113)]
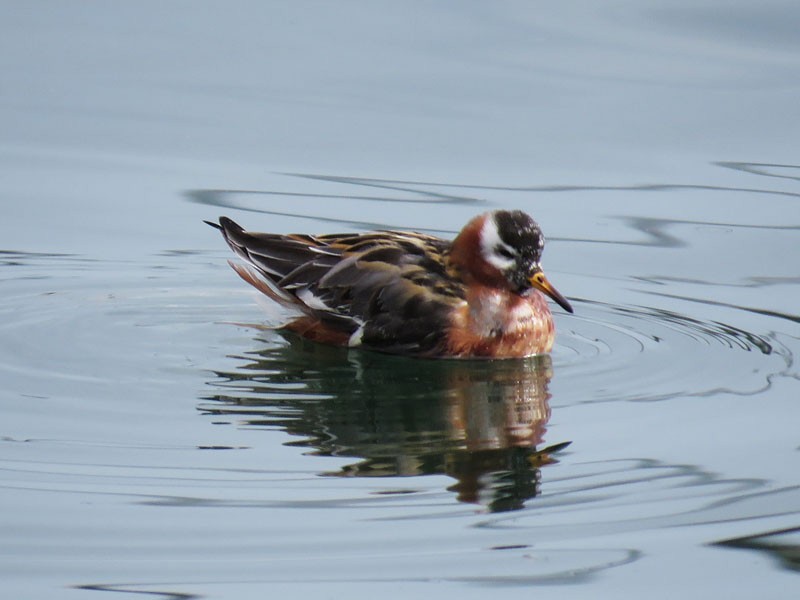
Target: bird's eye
[(504, 252)]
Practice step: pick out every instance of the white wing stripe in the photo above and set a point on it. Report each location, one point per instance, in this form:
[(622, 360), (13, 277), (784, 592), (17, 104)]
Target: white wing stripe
[(308, 298)]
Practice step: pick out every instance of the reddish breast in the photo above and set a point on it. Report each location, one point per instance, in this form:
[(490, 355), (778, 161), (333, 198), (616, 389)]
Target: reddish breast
[(495, 323)]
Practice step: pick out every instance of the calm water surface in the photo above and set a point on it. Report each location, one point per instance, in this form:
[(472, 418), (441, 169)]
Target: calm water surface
[(158, 438)]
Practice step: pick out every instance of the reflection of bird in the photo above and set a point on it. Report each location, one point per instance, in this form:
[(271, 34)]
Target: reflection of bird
[(409, 293), (482, 423)]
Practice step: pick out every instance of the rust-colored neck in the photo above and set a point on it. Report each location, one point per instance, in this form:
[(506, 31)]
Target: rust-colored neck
[(466, 257)]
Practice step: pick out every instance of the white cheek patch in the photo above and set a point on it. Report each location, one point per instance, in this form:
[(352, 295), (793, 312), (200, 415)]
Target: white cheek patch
[(490, 239)]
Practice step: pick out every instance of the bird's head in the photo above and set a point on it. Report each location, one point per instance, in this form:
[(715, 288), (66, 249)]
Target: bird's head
[(504, 248)]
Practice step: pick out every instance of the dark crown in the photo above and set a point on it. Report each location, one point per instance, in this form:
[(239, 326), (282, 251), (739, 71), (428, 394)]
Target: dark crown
[(520, 231)]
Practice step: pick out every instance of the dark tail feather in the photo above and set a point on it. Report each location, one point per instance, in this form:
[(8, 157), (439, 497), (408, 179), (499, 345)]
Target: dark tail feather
[(226, 224), (229, 225)]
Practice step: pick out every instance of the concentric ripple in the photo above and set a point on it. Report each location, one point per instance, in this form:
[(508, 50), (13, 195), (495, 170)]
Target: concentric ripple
[(646, 353)]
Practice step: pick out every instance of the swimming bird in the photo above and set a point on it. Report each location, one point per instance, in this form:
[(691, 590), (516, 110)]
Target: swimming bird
[(481, 295)]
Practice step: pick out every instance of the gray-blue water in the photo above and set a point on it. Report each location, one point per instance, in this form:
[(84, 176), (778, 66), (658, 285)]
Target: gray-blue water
[(155, 438)]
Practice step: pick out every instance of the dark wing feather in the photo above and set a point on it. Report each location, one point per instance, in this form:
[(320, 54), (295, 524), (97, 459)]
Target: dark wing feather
[(273, 254), (407, 319), (390, 288), (399, 289)]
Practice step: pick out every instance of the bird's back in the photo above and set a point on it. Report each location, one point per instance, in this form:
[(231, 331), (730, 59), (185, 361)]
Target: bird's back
[(390, 291)]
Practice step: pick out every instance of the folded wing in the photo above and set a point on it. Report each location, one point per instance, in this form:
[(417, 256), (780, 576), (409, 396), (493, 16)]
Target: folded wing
[(386, 290)]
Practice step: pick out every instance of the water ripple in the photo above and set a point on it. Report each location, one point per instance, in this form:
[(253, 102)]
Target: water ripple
[(647, 353)]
